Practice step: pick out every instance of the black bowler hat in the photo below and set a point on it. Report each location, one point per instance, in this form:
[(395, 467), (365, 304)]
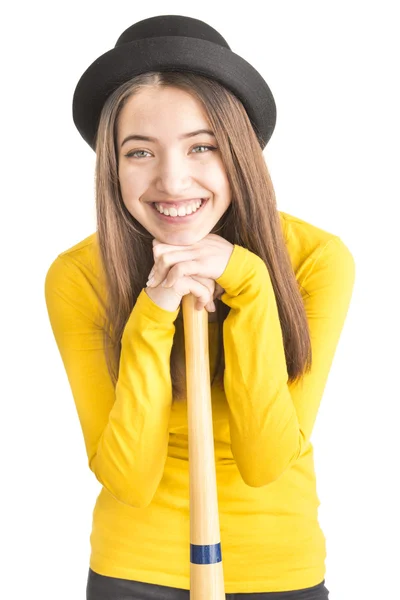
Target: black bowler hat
[(171, 43)]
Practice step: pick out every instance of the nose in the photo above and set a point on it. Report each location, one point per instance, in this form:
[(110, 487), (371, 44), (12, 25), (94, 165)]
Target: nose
[(174, 176)]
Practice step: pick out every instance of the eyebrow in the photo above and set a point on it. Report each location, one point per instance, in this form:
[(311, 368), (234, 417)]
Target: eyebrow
[(145, 138)]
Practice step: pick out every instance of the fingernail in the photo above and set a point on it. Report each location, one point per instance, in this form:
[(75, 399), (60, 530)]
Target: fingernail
[(150, 281)]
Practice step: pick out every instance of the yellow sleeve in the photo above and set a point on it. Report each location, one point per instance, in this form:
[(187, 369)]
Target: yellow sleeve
[(270, 421), (125, 428)]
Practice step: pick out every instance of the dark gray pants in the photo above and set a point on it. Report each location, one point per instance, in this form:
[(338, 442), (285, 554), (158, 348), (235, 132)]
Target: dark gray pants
[(101, 587)]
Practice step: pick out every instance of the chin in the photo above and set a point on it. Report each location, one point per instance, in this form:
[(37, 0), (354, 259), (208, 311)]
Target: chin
[(182, 238)]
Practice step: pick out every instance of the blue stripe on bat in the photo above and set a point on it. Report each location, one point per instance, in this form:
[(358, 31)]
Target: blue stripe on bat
[(205, 555)]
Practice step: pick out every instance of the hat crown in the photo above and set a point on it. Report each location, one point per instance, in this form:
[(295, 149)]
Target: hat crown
[(171, 25), (171, 43)]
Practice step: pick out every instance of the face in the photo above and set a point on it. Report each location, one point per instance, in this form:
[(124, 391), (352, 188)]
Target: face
[(171, 170)]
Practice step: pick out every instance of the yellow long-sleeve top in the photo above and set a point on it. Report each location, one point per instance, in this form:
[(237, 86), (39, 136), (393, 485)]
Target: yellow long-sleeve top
[(137, 441)]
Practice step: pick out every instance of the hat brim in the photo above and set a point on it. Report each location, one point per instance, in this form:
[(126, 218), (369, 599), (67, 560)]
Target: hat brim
[(118, 65)]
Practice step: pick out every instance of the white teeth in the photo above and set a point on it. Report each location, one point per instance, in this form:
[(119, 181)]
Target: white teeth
[(182, 210)]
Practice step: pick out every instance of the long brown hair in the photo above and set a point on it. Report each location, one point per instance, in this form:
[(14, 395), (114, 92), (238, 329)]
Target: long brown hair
[(251, 220)]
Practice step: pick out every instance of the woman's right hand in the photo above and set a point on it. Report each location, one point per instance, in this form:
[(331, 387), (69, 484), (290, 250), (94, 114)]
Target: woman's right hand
[(170, 298)]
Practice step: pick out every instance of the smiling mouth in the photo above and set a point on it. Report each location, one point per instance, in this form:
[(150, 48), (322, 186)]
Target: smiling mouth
[(178, 218)]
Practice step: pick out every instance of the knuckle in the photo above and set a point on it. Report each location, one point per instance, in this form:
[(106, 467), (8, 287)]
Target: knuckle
[(164, 260), (177, 270)]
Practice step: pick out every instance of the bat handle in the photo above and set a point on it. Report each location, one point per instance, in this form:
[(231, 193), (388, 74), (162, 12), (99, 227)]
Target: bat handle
[(206, 568)]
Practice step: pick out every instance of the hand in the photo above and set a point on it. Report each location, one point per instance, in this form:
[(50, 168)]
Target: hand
[(170, 298), (213, 253), (207, 258)]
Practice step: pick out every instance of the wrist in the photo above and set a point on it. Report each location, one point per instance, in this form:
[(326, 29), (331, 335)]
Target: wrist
[(164, 298)]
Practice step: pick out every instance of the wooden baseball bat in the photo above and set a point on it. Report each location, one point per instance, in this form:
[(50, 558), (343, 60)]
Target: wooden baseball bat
[(206, 569)]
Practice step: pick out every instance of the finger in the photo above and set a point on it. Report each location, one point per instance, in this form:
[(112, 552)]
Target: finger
[(187, 285), (209, 283), (210, 306), (160, 248), (169, 259), (152, 272), (218, 291), (188, 268)]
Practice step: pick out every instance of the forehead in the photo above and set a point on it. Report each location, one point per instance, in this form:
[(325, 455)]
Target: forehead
[(162, 109)]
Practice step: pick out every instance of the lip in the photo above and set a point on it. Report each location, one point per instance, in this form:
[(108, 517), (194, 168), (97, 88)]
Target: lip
[(178, 219)]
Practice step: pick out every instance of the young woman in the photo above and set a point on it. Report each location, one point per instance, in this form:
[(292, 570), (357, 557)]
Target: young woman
[(178, 123)]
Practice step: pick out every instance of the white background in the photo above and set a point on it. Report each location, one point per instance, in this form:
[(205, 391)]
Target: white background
[(334, 160)]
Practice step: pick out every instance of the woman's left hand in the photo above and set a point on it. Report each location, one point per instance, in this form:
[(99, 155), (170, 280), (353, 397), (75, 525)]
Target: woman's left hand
[(206, 258)]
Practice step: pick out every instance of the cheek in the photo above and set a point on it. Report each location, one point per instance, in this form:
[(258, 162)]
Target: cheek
[(131, 185), (217, 176), (126, 174)]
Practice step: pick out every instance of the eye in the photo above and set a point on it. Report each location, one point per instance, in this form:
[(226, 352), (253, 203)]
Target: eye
[(202, 146), (134, 153)]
